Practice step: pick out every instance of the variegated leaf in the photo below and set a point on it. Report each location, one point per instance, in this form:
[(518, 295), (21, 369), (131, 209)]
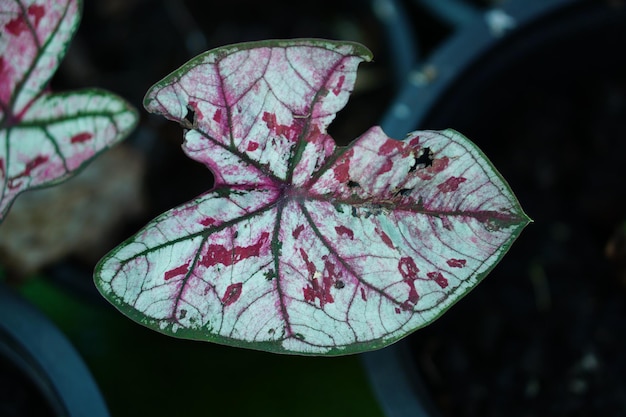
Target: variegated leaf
[(45, 137), (303, 246)]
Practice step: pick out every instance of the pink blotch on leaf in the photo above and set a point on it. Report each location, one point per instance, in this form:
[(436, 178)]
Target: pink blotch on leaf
[(322, 292), (407, 268), (438, 278), (343, 230), (37, 12), (6, 89), (281, 130), (363, 294), (385, 168), (341, 170), (252, 146), (217, 116), (232, 294), (207, 221), (296, 232), (310, 266), (456, 263), (18, 25), (32, 164), (175, 272), (438, 165), (81, 137), (218, 254), (414, 142), (385, 237), (337, 89), (409, 271), (451, 184), (390, 146), (408, 305)]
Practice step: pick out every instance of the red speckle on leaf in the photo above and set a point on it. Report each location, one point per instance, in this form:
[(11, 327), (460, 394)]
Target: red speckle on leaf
[(407, 305), (6, 90), (439, 278), (2, 171), (296, 232), (343, 230), (386, 167), (413, 295), (30, 166), (310, 266), (39, 160), (330, 272), (398, 311), (363, 294), (18, 25), (390, 146), (438, 165), (451, 184), (175, 272), (409, 271), (207, 221), (315, 290), (280, 130), (386, 239), (217, 116), (456, 263), (321, 292), (252, 146), (407, 268), (337, 89), (232, 294), (415, 141), (218, 254), (342, 168), (81, 137), (37, 12)]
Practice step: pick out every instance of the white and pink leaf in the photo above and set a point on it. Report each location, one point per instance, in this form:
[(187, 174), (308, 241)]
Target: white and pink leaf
[(45, 137), (303, 246)]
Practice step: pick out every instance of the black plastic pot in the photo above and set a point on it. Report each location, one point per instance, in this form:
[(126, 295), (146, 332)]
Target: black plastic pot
[(468, 83), (41, 372)]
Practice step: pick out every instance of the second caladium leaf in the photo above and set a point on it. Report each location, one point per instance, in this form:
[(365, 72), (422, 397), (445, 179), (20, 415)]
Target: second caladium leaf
[(303, 246), (45, 137)]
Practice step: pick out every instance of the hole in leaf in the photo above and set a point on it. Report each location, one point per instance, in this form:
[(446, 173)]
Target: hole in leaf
[(404, 192), (190, 117), (425, 158)]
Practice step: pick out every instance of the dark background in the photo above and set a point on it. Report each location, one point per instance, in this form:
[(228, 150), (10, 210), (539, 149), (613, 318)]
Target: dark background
[(542, 335)]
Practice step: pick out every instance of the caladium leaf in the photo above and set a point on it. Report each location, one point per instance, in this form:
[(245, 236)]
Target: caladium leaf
[(303, 246), (45, 137)]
